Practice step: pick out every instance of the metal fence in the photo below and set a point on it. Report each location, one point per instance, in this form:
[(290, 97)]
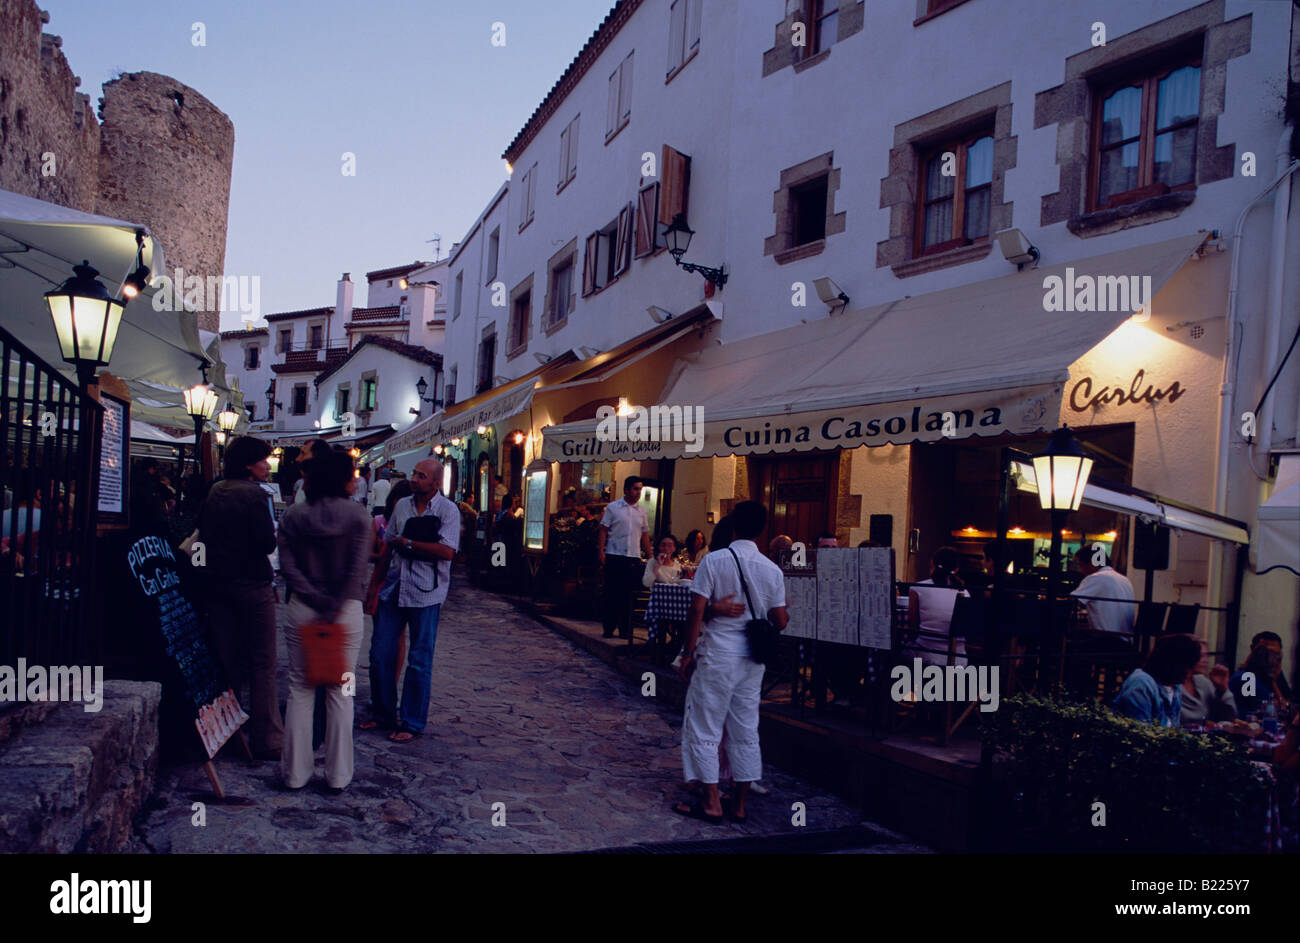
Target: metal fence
[(47, 530)]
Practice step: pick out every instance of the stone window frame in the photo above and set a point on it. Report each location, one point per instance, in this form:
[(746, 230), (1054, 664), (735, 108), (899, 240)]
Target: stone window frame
[(293, 400), (311, 327), (524, 287), (785, 54), (1071, 105), (900, 190), (927, 10), (361, 406), (568, 254), (484, 381), (253, 346), (779, 244), (345, 387)]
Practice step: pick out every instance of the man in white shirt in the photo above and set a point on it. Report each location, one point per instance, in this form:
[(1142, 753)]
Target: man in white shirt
[(726, 686), (379, 490), (1108, 595), (624, 536), (362, 494)]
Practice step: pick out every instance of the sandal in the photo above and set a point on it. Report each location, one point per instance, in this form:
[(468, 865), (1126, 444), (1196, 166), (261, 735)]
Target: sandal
[(372, 725), (402, 736), (696, 811)]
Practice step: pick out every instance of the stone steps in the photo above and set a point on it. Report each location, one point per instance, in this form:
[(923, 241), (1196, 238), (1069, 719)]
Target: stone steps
[(73, 780)]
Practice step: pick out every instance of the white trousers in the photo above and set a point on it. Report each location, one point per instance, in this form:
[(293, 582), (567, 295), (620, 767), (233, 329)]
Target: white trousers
[(298, 760), (723, 698)]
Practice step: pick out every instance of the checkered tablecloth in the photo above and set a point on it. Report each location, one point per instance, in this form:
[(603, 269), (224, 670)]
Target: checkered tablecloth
[(669, 602)]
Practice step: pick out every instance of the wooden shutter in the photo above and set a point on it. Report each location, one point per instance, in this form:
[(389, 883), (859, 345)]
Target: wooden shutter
[(647, 219), (625, 90), (623, 250), (675, 171), (564, 158), (611, 106), (693, 26), (589, 264), (573, 149)]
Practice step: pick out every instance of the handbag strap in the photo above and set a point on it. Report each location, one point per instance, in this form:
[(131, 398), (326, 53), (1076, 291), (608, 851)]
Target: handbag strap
[(745, 586)]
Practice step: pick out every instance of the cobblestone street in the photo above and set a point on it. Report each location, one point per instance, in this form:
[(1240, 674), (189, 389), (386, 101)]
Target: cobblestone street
[(579, 758)]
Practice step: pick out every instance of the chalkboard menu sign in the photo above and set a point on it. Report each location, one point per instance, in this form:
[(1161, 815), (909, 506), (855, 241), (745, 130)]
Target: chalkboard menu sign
[(114, 460), (172, 619)]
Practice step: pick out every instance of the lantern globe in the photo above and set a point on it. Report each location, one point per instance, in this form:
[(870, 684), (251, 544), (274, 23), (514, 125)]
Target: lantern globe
[(1062, 472)]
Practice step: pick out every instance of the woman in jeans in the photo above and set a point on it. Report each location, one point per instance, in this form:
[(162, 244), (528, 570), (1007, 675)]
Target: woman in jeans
[(324, 554)]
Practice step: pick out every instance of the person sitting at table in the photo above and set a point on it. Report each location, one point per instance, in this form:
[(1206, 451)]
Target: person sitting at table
[(1205, 695), (1152, 693), (694, 549), (929, 609), (778, 545), (1108, 596), (663, 567), (1258, 678)]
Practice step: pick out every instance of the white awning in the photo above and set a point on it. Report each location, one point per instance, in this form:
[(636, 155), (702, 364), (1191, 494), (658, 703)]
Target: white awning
[(1149, 507), (981, 359), (40, 243), (1279, 521)]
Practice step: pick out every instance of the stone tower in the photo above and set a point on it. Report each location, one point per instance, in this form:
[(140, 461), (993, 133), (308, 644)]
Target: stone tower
[(164, 159)]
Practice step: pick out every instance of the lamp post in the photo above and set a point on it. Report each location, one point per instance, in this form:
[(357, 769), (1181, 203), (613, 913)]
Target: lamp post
[(227, 420), (1061, 474), (200, 403), (678, 236)]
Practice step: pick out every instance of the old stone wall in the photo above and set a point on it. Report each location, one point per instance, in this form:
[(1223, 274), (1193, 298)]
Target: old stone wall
[(165, 157), (159, 153), (41, 112)]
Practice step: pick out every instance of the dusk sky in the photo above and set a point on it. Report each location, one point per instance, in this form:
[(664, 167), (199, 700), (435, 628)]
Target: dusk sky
[(415, 90)]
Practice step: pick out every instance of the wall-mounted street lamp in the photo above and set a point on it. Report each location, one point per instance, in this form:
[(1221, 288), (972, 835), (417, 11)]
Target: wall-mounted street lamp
[(422, 387), (86, 318), (678, 238), (271, 401)]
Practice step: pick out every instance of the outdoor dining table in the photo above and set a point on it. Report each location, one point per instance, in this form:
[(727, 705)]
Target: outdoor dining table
[(669, 603)]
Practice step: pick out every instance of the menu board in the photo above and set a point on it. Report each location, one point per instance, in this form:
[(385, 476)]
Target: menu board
[(875, 597), (535, 510), (837, 595), (114, 459), (172, 620), (801, 604)]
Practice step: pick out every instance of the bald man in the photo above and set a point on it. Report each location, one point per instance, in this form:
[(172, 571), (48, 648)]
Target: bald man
[(424, 534)]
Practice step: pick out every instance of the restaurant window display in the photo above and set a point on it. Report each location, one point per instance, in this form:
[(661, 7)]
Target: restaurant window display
[(590, 482)]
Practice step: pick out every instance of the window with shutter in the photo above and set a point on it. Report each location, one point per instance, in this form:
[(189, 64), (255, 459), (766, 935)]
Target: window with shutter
[(647, 217), (611, 105), (494, 249), (589, 259), (675, 169), (623, 246), (625, 91), (618, 107), (683, 34), (693, 28), (564, 160), (573, 149)]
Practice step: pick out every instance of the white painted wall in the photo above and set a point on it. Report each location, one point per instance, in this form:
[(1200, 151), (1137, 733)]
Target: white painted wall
[(251, 382), (396, 391)]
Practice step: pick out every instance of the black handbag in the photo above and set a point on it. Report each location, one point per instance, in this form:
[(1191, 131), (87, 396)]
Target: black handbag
[(762, 634), (425, 529)]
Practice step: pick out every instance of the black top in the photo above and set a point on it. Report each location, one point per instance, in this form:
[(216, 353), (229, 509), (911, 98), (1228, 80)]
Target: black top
[(238, 532)]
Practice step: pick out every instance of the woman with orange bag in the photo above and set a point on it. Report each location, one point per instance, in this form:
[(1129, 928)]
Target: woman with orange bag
[(324, 555)]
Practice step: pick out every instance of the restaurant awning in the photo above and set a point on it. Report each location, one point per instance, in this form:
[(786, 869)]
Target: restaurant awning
[(40, 242), (1150, 507), (976, 360), (1279, 521)]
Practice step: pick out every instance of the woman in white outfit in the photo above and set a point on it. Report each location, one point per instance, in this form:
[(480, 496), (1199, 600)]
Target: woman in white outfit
[(324, 554)]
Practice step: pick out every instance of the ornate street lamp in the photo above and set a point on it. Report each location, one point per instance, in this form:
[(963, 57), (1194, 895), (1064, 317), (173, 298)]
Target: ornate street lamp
[(86, 318), (1061, 474), (200, 403), (227, 419), (678, 238), (422, 387)]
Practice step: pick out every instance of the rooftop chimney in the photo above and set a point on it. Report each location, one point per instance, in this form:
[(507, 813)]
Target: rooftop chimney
[(343, 300)]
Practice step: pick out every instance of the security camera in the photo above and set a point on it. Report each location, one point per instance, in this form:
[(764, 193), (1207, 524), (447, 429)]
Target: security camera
[(830, 293), (658, 314), (542, 358), (588, 352), (1016, 247)]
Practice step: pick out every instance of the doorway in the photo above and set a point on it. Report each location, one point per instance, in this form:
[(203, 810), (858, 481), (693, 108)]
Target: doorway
[(798, 492)]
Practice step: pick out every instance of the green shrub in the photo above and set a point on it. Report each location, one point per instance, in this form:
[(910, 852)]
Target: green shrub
[(1164, 790)]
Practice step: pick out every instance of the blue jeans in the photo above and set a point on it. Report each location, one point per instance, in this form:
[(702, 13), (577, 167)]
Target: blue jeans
[(390, 620)]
